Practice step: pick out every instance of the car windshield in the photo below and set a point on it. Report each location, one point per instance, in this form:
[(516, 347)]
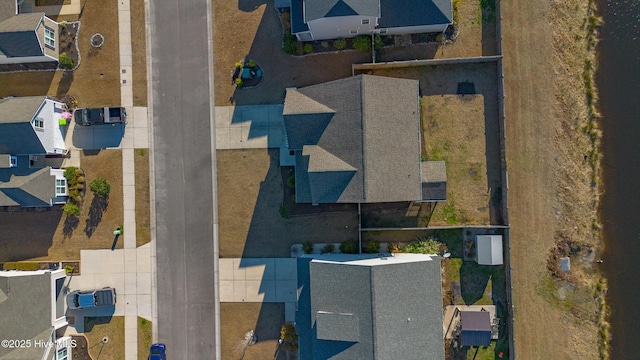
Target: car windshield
[(156, 352)]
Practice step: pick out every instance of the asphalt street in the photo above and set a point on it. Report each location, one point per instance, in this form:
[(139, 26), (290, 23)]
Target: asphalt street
[(181, 63)]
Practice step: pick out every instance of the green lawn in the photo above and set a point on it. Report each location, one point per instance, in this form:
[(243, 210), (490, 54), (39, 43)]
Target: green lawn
[(144, 338)]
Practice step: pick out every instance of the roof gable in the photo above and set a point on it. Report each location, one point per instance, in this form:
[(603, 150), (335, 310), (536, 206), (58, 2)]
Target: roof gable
[(18, 35), (35, 189), (401, 13), (317, 9)]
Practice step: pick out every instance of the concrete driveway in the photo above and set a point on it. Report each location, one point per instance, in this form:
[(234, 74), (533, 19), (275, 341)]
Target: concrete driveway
[(98, 136), (249, 127)]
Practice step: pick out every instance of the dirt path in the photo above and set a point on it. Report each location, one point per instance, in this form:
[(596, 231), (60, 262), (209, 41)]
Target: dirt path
[(533, 158)]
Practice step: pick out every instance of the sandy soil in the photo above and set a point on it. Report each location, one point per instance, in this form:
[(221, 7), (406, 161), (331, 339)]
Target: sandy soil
[(550, 184)]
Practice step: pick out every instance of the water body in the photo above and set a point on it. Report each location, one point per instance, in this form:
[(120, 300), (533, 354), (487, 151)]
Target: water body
[(618, 81)]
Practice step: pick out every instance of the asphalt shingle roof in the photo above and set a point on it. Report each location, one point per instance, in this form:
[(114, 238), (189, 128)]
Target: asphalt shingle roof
[(434, 180), (400, 13), (18, 35), (317, 9), (359, 137), (33, 189), (476, 328), (390, 310)]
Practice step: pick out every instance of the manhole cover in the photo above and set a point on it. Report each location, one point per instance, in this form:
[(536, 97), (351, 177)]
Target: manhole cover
[(97, 40)]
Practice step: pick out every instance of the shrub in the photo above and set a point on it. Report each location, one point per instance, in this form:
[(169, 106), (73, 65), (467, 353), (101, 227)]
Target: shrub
[(329, 248), (73, 192), (423, 246), (377, 41), (324, 44), (307, 247), (291, 181), (100, 187), (289, 337), (340, 44), (284, 211), (372, 247), (79, 186), (9, 266), (70, 172), (439, 37), (349, 247), (27, 266), (77, 199), (68, 269), (238, 82), (308, 48), (289, 44), (65, 61), (239, 64), (362, 43), (80, 179), (71, 209), (79, 172), (252, 63)]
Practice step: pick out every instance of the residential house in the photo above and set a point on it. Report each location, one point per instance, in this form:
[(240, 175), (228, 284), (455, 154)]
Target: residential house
[(26, 38), (31, 132), (32, 309), (357, 140), (332, 19), (370, 306)]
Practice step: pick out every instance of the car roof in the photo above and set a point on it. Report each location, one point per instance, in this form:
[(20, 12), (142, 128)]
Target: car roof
[(86, 300)]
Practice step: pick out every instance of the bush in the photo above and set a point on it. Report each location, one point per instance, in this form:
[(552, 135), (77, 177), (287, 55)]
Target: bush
[(289, 337), (252, 63), (73, 192), (238, 64), (79, 186), (423, 246), (9, 266), (307, 247), (77, 199), (71, 209), (324, 44), (238, 82), (284, 211), (66, 62), (80, 179), (372, 247), (291, 181), (308, 48), (349, 247), (27, 266), (377, 41), (340, 44), (362, 43), (79, 172), (289, 44), (329, 248), (100, 187), (68, 269), (70, 172)]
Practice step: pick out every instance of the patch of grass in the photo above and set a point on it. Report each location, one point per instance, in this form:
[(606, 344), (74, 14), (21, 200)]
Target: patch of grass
[(139, 49), (450, 213), (143, 199), (144, 338), (96, 328)]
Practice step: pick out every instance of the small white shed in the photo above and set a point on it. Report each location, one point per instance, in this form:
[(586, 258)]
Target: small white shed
[(489, 249)]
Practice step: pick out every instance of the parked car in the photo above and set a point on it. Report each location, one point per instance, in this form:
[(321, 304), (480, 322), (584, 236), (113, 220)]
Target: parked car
[(158, 352), (92, 298), (99, 116)]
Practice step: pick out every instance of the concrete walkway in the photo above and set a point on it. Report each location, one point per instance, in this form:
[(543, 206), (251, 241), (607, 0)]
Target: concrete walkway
[(249, 127), (271, 280)]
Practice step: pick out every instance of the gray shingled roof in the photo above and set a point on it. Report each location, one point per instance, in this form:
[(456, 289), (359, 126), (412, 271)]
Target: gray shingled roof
[(317, 9), (476, 328), (16, 133), (434, 180), (390, 310), (357, 138), (18, 35), (399, 13), (33, 189), (19, 109), (25, 309)]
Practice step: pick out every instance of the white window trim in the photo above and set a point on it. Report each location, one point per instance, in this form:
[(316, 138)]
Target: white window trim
[(49, 37), (383, 31), (62, 186), (365, 21), (66, 355), (38, 123), (13, 161), (353, 31)]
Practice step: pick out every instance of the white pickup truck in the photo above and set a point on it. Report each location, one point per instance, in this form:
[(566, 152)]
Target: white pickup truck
[(99, 116)]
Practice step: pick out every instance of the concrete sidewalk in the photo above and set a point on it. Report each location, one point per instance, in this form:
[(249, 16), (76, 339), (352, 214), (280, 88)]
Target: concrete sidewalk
[(249, 127)]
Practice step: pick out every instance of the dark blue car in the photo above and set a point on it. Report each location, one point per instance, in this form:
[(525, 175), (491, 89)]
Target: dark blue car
[(158, 352)]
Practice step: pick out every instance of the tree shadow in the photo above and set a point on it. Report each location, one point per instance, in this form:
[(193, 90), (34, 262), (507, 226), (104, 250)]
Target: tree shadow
[(70, 224), (98, 206), (473, 281), (65, 83)]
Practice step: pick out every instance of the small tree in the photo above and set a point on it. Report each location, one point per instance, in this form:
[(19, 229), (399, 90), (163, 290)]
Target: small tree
[(349, 247), (340, 44), (372, 247), (307, 247), (71, 209), (65, 61), (100, 187), (362, 43)]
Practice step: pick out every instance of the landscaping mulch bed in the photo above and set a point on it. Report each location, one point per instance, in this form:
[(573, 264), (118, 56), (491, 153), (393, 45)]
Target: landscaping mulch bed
[(81, 351), (68, 40)]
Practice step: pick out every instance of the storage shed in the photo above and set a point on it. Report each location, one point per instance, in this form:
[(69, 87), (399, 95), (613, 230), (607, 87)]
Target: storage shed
[(489, 249)]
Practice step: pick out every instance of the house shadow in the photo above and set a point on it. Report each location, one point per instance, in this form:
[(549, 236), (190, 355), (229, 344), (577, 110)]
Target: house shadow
[(27, 233), (65, 83), (474, 279)]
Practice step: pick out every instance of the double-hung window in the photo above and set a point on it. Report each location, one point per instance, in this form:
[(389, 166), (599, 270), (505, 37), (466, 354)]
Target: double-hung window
[(49, 38), (61, 187)]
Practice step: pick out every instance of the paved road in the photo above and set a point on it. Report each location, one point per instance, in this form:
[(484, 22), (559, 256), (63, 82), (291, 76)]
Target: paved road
[(184, 170)]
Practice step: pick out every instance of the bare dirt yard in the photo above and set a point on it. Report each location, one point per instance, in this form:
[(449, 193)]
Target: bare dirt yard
[(464, 131), (250, 194), (237, 319), (50, 235), (96, 82), (551, 193)]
